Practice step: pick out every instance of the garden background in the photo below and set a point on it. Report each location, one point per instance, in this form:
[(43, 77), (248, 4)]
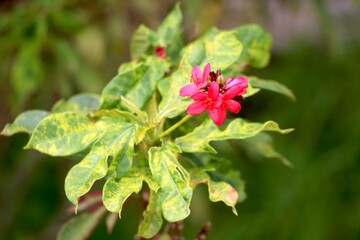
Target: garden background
[(54, 49)]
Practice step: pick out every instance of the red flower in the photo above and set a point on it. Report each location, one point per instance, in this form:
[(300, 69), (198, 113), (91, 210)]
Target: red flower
[(210, 101), (239, 84), (160, 52), (199, 80), (227, 103), (211, 92)]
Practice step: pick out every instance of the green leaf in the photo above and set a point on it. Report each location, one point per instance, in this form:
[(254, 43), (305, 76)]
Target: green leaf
[(250, 90), (262, 144), (169, 33), (27, 72), (120, 84), (170, 28), (152, 222), (175, 192), (131, 107), (223, 50), (224, 171), (218, 191), (116, 192), (144, 88), (198, 140), (25, 122), (81, 227), (123, 116), (272, 86), (117, 142), (140, 42), (84, 102), (136, 82), (64, 134), (257, 45)]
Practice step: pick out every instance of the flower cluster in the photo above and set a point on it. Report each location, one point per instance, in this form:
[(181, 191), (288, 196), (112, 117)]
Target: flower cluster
[(211, 92)]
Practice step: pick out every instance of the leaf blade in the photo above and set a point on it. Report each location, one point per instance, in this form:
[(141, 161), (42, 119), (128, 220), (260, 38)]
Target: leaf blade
[(63, 134), (199, 139), (94, 166), (25, 122), (175, 192), (152, 222)]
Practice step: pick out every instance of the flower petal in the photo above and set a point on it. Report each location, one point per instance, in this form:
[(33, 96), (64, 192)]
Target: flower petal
[(199, 96), (207, 70), (231, 93), (213, 113), (196, 108), (188, 90), (196, 71), (233, 106), (214, 90), (239, 81), (217, 115)]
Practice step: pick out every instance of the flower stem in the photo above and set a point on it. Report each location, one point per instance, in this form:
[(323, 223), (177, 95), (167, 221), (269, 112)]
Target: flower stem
[(173, 127)]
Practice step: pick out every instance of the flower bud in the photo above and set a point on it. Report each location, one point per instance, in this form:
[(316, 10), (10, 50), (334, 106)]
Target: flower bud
[(220, 80)]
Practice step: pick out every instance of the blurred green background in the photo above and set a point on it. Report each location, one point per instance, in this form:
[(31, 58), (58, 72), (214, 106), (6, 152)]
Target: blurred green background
[(54, 49)]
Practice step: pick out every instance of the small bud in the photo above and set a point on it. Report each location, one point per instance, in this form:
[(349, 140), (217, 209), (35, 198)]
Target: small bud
[(220, 80), (160, 52)]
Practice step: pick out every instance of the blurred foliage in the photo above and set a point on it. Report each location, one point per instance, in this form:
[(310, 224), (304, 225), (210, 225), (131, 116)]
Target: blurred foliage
[(80, 47)]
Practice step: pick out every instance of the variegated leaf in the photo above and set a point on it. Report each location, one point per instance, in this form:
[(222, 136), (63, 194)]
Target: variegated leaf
[(175, 192), (115, 192), (64, 134), (152, 222), (199, 139), (25, 122), (218, 191), (117, 142)]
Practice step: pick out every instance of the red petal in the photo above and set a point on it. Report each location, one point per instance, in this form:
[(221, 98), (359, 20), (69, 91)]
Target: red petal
[(189, 90), (196, 108), (214, 90), (213, 113), (232, 92), (240, 81), (196, 71), (218, 116), (233, 106), (207, 70), (200, 96)]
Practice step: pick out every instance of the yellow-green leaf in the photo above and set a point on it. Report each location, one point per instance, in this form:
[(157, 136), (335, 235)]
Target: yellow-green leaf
[(64, 134), (152, 222), (116, 142), (262, 144), (257, 45), (223, 50), (115, 192), (199, 139), (144, 88), (169, 33), (218, 191), (175, 192), (141, 41), (131, 107), (120, 84), (84, 102), (25, 122), (272, 86)]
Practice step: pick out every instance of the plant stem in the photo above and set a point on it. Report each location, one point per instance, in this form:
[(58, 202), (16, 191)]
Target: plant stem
[(173, 127)]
